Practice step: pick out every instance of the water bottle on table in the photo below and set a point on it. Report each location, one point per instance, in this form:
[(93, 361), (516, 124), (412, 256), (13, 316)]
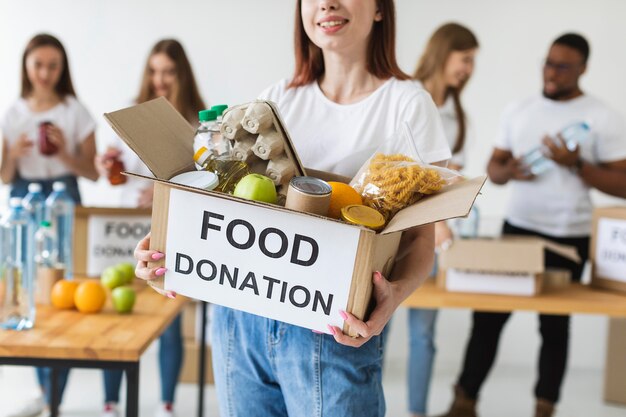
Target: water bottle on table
[(60, 213), (35, 203)]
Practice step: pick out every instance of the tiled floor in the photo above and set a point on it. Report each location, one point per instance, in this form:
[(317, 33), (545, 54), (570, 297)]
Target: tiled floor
[(508, 392)]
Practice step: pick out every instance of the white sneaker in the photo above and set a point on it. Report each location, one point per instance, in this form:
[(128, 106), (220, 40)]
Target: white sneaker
[(110, 410), (33, 408), (164, 411)]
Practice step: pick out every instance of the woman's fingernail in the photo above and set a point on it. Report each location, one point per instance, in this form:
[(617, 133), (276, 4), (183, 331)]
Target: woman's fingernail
[(331, 329), (317, 332), (343, 314), (171, 295), (157, 256), (160, 271)]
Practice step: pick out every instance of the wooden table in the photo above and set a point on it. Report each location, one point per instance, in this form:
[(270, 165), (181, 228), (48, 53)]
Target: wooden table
[(575, 298), (107, 340)]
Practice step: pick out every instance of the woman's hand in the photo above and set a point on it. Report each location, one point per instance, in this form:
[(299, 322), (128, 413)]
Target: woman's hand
[(443, 236), (55, 135), (20, 148), (145, 197), (143, 254), (387, 301), (104, 162)]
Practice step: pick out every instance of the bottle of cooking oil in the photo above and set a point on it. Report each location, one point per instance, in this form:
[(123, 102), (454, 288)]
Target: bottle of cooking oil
[(219, 161)]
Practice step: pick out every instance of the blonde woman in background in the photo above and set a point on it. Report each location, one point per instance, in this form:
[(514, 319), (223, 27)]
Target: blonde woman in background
[(167, 74), (443, 70)]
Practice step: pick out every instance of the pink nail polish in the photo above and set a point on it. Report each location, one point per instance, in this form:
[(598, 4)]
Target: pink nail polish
[(160, 271), (171, 295), (343, 314), (331, 329), (157, 256)]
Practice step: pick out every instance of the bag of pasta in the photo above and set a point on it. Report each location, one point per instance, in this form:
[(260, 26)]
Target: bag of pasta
[(396, 176)]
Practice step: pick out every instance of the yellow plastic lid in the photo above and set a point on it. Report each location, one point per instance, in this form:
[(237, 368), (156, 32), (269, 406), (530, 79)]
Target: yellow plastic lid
[(199, 153), (363, 216)]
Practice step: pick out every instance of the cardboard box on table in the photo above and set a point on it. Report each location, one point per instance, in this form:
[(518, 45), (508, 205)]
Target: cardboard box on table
[(608, 248), (615, 369), (260, 258), (191, 364), (511, 265)]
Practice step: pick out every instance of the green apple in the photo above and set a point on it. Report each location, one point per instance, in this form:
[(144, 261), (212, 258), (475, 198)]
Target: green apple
[(112, 277), (123, 299), (256, 187), (128, 271)]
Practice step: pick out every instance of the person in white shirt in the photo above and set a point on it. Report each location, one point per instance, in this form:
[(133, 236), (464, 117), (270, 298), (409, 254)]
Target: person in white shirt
[(443, 70), (554, 205), (346, 97), (47, 109), (167, 74)]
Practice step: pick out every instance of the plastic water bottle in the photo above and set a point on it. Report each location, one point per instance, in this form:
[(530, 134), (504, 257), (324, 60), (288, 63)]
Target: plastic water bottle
[(536, 161), (35, 203), (60, 213), (17, 286), (46, 249), (467, 227), (206, 129)]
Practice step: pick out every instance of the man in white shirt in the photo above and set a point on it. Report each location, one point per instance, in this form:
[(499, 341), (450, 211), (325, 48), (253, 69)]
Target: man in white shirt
[(554, 204)]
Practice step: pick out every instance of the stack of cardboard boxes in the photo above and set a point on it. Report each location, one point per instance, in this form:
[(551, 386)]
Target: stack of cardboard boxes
[(191, 323)]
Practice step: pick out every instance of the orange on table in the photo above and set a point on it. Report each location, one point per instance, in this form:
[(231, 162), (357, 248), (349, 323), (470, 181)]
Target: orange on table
[(90, 297), (342, 195), (62, 294)]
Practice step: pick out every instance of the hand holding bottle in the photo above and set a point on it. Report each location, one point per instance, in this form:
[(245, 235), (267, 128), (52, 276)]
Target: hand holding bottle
[(57, 138), (560, 152), (517, 170)]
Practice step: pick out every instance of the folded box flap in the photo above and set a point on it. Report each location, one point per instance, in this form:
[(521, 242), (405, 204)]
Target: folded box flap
[(158, 134), (519, 256), (566, 251), (453, 201)]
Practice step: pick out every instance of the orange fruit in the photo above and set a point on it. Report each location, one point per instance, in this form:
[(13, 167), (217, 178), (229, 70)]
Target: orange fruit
[(342, 195), (90, 297), (62, 294)]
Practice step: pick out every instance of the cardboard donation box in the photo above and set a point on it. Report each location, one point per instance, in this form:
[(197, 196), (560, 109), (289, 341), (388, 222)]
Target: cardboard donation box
[(608, 248), (615, 369), (260, 258), (107, 236), (510, 266)]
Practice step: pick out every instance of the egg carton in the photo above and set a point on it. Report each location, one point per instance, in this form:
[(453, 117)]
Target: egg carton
[(261, 140)]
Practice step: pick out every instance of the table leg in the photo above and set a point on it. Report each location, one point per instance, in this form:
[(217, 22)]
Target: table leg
[(54, 391), (201, 373), (132, 389)]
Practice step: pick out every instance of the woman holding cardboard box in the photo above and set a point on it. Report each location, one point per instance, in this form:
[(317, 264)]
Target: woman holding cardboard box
[(167, 74), (443, 70), (346, 97), (48, 136)]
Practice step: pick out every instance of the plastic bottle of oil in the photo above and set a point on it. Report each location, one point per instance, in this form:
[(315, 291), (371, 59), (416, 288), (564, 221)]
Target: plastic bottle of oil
[(219, 161)]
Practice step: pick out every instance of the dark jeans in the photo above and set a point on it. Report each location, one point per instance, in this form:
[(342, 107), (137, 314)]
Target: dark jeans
[(19, 188), (483, 344)]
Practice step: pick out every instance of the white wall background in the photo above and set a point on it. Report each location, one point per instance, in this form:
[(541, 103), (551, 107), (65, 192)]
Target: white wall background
[(238, 47)]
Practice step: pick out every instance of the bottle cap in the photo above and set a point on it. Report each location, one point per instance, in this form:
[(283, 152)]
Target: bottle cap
[(58, 186), (207, 115), (219, 108), (201, 155), (363, 216), (45, 223), (15, 202), (34, 187)]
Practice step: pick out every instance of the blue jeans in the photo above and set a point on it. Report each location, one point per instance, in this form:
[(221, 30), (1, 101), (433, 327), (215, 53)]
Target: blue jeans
[(170, 362), (421, 357), (267, 368), (19, 188)]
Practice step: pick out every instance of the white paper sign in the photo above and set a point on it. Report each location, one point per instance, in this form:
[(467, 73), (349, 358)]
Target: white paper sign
[(610, 256), (111, 239), (274, 264)]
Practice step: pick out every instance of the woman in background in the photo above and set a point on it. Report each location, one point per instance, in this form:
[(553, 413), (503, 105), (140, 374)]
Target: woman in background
[(48, 96), (443, 70), (167, 74)]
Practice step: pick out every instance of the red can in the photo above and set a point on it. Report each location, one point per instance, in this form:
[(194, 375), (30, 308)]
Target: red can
[(115, 173), (46, 147)]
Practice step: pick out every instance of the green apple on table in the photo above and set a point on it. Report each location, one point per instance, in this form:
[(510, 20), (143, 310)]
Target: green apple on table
[(256, 187), (123, 299), (112, 277), (128, 271)]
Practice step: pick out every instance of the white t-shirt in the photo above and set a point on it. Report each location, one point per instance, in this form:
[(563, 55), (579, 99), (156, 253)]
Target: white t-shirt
[(69, 115), (339, 138), (557, 202), (451, 128)]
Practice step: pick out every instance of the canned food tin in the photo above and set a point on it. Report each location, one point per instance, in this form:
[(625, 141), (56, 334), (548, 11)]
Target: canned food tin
[(363, 216), (308, 194)]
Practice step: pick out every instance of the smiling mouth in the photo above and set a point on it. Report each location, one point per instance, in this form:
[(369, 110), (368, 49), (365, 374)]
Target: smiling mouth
[(332, 23)]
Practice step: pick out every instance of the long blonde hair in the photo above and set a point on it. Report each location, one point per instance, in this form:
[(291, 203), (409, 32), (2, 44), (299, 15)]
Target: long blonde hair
[(186, 98), (448, 38)]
